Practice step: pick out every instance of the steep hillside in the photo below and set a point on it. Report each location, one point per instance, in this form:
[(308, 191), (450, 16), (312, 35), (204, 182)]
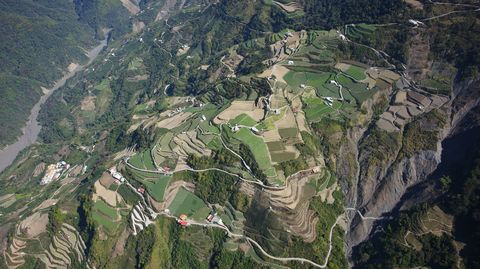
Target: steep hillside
[(40, 39), (255, 134)]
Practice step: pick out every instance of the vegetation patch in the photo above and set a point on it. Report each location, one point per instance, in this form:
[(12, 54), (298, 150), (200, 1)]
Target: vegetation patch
[(287, 133), (256, 145), (157, 189), (275, 146), (282, 156), (356, 72), (186, 202), (243, 119)]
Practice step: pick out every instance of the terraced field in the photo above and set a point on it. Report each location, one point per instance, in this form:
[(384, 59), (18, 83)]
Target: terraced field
[(106, 216), (143, 161)]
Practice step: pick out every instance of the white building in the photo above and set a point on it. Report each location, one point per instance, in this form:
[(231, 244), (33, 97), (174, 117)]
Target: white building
[(235, 128)]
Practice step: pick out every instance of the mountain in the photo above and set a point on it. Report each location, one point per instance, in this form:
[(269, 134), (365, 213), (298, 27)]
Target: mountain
[(40, 39), (250, 134)]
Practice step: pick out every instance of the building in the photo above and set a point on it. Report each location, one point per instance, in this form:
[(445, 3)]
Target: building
[(116, 175), (54, 171), (291, 63), (214, 218), (255, 131), (141, 190), (235, 128)]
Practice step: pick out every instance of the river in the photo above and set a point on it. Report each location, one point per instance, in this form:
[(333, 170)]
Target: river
[(32, 129)]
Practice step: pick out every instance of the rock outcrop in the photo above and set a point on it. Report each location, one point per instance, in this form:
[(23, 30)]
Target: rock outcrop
[(386, 177)]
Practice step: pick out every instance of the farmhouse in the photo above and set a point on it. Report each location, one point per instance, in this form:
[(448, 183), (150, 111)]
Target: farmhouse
[(214, 218), (116, 175), (255, 131), (235, 128)]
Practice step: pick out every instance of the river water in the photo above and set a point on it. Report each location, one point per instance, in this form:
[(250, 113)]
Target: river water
[(32, 128)]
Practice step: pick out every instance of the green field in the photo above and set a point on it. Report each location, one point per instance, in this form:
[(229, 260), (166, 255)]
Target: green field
[(287, 133), (356, 72), (102, 220), (105, 215), (269, 122), (143, 161), (360, 30), (155, 184), (243, 119), (104, 96), (105, 209), (275, 146), (157, 189), (187, 203), (257, 146), (279, 157), (316, 108)]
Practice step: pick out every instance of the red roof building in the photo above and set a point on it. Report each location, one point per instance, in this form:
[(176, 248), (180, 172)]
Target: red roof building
[(182, 222)]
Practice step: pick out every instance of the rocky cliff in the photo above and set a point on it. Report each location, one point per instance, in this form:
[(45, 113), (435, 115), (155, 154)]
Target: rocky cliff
[(389, 173)]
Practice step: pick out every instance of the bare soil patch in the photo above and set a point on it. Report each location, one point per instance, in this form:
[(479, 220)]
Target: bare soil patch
[(137, 26), (110, 197), (237, 108), (38, 169), (131, 7), (173, 121), (106, 180), (71, 67), (137, 78), (415, 4), (34, 225), (46, 204), (88, 103)]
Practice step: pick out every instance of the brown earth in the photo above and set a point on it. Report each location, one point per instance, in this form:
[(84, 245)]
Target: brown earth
[(88, 103)]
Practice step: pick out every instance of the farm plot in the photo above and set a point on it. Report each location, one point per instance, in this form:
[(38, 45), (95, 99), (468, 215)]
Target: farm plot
[(360, 30), (173, 146), (258, 148), (157, 189), (106, 216), (288, 133), (243, 119), (275, 146), (316, 108), (143, 161), (173, 121), (155, 184), (282, 156), (356, 72), (187, 203), (358, 91), (237, 108)]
